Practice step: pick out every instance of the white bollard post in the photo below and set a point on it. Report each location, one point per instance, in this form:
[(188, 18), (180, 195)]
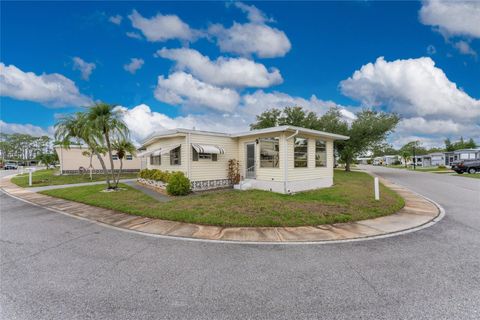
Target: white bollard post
[(377, 189), (30, 177)]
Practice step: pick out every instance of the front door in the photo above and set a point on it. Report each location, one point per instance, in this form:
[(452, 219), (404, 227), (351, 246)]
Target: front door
[(250, 161)]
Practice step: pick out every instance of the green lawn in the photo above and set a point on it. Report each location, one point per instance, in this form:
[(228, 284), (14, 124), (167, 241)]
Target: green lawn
[(350, 199), (49, 177)]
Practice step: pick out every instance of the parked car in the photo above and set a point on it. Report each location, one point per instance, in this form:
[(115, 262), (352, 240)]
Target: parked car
[(470, 166), (11, 166)]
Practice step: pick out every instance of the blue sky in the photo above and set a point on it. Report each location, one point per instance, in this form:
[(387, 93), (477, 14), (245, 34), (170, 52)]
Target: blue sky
[(214, 65)]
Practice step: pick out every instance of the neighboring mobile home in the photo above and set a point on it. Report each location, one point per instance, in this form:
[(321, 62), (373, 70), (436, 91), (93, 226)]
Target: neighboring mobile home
[(391, 160), (463, 154), (282, 159), (73, 161), (434, 159)]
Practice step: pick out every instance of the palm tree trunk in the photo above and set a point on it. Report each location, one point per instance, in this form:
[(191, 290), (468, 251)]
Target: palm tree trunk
[(104, 167), (90, 167), (112, 168), (119, 172)]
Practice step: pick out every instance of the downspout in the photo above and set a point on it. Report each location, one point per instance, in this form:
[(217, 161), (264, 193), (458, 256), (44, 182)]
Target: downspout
[(61, 161), (189, 158), (285, 161)]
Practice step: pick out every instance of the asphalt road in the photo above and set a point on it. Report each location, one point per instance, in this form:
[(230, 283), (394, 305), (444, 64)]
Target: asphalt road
[(58, 267)]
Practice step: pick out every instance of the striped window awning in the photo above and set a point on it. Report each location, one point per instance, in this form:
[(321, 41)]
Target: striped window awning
[(158, 152), (146, 153), (208, 148), (168, 149)]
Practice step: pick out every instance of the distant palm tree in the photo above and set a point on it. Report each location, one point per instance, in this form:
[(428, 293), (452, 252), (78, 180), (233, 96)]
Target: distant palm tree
[(105, 119), (76, 127), (122, 148)]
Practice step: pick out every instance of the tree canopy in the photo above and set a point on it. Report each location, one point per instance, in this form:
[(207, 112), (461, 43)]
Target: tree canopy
[(460, 144), (369, 128)]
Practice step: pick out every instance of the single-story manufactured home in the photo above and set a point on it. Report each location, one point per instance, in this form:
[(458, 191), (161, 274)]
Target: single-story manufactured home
[(282, 159), (73, 160), (462, 154), (363, 160), (434, 159), (391, 160)]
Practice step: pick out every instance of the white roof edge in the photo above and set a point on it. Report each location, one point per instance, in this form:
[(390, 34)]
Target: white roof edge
[(165, 133), (291, 128)]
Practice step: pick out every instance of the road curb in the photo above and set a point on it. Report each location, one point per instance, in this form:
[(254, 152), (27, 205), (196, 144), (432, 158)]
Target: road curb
[(371, 229)]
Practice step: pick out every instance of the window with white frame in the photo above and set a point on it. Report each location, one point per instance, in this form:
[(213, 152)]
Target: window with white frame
[(114, 157), (320, 153), (155, 160), (129, 157), (175, 157), (205, 156), (300, 152), (269, 152)]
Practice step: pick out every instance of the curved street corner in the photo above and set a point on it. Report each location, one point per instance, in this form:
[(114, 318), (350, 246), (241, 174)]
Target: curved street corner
[(54, 266)]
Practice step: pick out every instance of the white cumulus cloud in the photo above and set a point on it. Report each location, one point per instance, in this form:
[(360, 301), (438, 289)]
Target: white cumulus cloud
[(230, 72), (54, 90), (27, 128), (253, 13), (134, 65), (465, 48), (162, 27), (253, 37), (142, 121), (117, 19), (452, 18), (259, 101), (411, 87), (85, 68), (134, 35), (181, 88)]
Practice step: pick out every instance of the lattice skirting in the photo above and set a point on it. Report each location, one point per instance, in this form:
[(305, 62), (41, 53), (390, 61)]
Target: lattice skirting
[(97, 171), (210, 184), (152, 183)]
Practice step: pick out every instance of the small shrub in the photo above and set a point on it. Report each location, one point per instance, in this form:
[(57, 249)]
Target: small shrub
[(178, 184), (441, 167), (157, 175), (166, 176), (145, 173)]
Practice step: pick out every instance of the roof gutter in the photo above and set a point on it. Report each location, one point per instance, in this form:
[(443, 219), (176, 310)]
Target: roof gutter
[(285, 162)]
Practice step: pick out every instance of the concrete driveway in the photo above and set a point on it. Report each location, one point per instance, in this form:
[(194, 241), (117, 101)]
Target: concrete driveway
[(57, 267)]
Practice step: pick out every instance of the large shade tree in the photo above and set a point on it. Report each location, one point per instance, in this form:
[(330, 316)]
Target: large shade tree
[(367, 130)]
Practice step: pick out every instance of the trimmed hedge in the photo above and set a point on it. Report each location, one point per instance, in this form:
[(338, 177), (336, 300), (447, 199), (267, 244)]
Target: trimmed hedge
[(178, 184), (155, 174)]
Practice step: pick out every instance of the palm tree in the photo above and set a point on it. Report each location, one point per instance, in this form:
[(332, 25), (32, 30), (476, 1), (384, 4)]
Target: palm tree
[(105, 119), (122, 147), (77, 127)]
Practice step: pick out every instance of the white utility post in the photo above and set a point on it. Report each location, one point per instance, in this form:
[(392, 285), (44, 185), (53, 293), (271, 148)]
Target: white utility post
[(30, 171), (377, 189)]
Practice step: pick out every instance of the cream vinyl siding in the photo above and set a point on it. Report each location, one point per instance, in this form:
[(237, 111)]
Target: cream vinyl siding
[(267, 174), (207, 169), (72, 159), (166, 142), (311, 172)]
